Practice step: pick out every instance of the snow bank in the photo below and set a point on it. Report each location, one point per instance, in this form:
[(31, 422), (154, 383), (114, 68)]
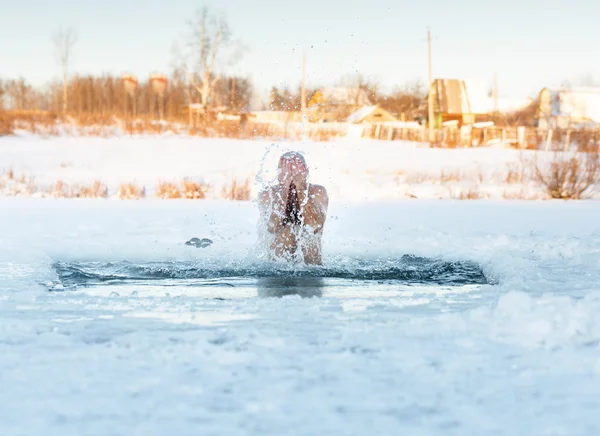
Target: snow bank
[(352, 170)]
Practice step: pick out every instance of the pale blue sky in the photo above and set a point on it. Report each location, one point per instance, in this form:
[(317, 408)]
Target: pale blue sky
[(529, 43)]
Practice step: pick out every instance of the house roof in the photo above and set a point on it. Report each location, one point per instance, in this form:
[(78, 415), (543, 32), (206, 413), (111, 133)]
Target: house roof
[(575, 103), (482, 100), (451, 96), (366, 111), (361, 114)]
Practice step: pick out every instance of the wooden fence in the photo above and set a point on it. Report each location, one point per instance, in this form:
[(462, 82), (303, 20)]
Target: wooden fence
[(520, 137)]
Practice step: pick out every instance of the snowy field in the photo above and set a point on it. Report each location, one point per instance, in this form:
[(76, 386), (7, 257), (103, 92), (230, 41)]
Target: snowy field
[(519, 355), (353, 170)]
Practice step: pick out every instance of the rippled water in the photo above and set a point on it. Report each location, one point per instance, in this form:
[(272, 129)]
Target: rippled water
[(406, 270), (418, 280)]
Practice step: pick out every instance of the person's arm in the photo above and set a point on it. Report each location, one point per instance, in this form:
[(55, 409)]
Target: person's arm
[(315, 209), (270, 205)]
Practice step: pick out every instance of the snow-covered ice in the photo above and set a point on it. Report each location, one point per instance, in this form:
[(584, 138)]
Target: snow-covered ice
[(517, 356), (353, 170)]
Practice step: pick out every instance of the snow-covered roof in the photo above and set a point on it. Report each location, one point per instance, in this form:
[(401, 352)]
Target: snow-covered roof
[(482, 102), (451, 96), (361, 114), (575, 103)]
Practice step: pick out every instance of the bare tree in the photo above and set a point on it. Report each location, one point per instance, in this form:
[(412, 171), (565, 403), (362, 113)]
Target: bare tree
[(64, 40), (2, 91), (212, 49), (410, 100), (357, 82)]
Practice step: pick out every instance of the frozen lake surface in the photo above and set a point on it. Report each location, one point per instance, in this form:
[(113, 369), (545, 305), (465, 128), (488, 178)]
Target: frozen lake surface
[(428, 317)]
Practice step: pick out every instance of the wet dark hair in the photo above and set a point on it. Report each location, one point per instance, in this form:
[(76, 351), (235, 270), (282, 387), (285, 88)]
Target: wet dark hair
[(293, 155), (292, 208)]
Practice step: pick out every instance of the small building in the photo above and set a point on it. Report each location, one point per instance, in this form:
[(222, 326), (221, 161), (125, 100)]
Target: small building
[(568, 108), (451, 102), (336, 104), (371, 115)]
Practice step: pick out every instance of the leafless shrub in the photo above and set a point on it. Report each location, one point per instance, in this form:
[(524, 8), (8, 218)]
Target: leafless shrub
[(470, 194), (451, 176), (12, 185), (60, 189), (480, 175), (6, 124), (167, 190), (188, 190), (237, 191), (521, 194), (130, 191), (514, 174), (96, 190), (567, 177), (587, 141), (467, 191), (417, 178), (194, 190)]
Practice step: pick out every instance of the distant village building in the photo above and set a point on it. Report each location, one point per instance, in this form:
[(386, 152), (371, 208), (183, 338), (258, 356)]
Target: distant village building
[(451, 102), (569, 108), (336, 104), (458, 102), (371, 115)]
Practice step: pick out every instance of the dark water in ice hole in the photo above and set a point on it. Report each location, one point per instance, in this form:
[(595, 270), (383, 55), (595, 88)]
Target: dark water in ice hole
[(207, 278)]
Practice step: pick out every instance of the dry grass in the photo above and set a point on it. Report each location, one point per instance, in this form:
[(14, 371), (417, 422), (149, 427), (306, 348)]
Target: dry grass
[(12, 185), (237, 191), (449, 176), (60, 189), (193, 190), (567, 177), (130, 191), (470, 194), (96, 190), (521, 194), (6, 124), (188, 190), (516, 171), (167, 190), (417, 178), (514, 174), (465, 192), (480, 175)]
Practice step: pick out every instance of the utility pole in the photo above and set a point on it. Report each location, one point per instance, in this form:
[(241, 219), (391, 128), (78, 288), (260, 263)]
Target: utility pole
[(303, 88), (430, 87), (496, 106)]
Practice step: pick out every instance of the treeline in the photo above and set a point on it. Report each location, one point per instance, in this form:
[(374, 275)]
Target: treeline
[(110, 95)]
